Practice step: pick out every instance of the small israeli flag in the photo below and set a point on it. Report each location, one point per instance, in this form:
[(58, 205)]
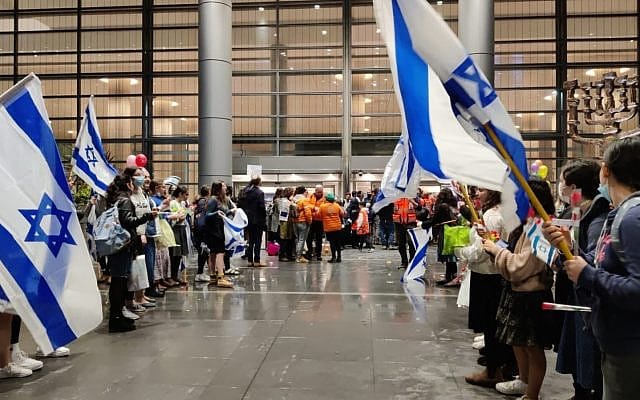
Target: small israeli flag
[(234, 233), (417, 267), (540, 247), (89, 160), (46, 272)]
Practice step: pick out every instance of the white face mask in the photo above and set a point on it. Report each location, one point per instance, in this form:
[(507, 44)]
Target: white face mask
[(564, 197)]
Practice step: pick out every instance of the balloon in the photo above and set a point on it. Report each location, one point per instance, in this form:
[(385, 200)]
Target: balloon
[(534, 168), (141, 160), (131, 161), (543, 171), (538, 163)]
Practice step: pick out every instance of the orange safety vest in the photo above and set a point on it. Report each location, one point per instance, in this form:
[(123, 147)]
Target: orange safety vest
[(331, 214), (404, 212), (364, 228), (315, 206)]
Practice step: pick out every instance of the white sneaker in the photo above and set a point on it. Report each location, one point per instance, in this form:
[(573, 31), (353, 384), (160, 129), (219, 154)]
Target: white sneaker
[(203, 278), (128, 314), (137, 308), (14, 371), (478, 345), (57, 353), (21, 359), (513, 388), (478, 338)]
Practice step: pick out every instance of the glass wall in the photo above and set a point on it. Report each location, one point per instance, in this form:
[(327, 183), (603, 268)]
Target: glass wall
[(291, 59)]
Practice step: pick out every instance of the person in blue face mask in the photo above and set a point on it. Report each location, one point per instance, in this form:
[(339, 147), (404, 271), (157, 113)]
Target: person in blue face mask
[(611, 274)]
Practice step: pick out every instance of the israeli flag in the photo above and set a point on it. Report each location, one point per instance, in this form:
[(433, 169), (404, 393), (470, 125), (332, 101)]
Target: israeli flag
[(540, 247), (46, 273), (432, 144), (418, 39), (234, 233), (89, 161), (417, 267)]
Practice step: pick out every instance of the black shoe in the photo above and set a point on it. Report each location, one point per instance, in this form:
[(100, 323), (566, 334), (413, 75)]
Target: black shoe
[(121, 324), (331, 261), (155, 294), (482, 351), (319, 258), (482, 361), (282, 259), (338, 260)]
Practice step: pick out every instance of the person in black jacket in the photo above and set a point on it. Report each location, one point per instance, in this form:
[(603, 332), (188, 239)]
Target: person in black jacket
[(119, 263), (254, 206)]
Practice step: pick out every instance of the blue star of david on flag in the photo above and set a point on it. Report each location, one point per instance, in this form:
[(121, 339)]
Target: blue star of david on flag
[(91, 156), (38, 234)]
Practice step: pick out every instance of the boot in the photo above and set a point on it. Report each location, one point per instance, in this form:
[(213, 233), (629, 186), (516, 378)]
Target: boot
[(485, 379), (117, 292)]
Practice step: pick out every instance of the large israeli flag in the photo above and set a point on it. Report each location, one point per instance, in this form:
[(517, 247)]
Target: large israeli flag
[(416, 36), (234, 233), (432, 144), (418, 265), (89, 160), (46, 272)]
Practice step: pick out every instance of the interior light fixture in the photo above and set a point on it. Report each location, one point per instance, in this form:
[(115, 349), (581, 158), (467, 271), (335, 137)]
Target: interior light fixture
[(624, 69), (174, 104), (284, 54), (69, 131), (378, 30), (133, 81), (548, 98), (317, 6), (183, 119), (104, 80), (590, 72), (368, 76), (366, 129), (367, 100), (338, 77), (519, 115), (439, 2), (260, 8), (366, 117), (541, 114), (324, 33), (517, 126)]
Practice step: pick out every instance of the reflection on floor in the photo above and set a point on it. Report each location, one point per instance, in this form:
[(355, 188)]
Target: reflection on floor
[(288, 331)]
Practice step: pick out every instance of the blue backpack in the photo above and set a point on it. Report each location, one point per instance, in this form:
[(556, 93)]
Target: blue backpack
[(110, 236)]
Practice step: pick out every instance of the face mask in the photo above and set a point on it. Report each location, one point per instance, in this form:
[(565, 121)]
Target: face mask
[(565, 198), (138, 181), (604, 190)]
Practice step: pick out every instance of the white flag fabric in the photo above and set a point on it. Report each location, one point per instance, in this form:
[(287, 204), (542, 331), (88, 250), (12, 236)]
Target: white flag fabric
[(46, 272), (418, 39), (89, 160), (234, 233), (433, 143), (417, 267), (540, 247)]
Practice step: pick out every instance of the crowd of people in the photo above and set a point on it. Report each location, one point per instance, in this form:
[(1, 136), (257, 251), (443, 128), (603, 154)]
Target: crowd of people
[(508, 281)]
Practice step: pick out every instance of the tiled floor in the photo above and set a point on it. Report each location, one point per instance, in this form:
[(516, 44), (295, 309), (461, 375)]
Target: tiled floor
[(288, 331)]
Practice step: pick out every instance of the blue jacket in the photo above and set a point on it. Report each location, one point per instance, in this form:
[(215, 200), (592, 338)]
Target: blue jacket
[(616, 288)]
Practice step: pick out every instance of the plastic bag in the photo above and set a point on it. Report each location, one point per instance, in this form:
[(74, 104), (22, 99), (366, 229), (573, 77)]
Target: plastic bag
[(138, 279), (465, 289), (454, 236), (166, 238)]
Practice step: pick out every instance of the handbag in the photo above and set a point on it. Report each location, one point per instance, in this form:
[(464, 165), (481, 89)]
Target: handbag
[(138, 278), (166, 238), (464, 294), (454, 236), (273, 248)]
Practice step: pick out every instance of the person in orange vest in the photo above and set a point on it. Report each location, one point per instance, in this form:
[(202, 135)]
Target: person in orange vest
[(404, 218), (316, 231), (362, 225), (331, 214), (302, 221)]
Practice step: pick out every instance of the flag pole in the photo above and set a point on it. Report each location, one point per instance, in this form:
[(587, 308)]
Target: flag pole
[(564, 246), (467, 199)]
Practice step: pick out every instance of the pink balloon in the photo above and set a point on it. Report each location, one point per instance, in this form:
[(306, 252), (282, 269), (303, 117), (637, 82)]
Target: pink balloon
[(141, 160), (131, 161), (534, 168)]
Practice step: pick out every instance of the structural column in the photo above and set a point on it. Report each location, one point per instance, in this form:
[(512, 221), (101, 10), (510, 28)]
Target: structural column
[(346, 97), (214, 94), (475, 30)]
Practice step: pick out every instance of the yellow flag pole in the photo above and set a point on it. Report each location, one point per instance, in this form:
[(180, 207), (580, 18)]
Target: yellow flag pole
[(467, 199), (564, 246)]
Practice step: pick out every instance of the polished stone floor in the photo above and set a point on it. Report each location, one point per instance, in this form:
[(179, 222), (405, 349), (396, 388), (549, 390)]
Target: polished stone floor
[(288, 331)]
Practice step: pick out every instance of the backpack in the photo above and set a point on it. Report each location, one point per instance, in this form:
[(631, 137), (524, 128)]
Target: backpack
[(633, 201), (110, 236), (198, 215), (293, 211)]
